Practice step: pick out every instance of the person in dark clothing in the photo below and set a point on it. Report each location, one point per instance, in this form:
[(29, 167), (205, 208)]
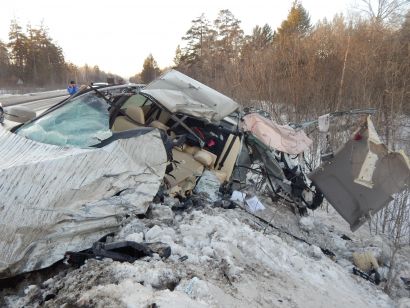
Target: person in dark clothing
[(72, 88)]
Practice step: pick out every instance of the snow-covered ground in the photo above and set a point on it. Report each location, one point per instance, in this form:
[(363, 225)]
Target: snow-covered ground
[(224, 258)]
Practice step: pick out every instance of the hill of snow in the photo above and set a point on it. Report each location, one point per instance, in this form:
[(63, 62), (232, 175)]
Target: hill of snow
[(223, 258)]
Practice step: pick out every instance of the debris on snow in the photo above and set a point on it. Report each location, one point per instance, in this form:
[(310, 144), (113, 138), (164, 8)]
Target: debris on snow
[(253, 204), (238, 196), (208, 186), (220, 258)]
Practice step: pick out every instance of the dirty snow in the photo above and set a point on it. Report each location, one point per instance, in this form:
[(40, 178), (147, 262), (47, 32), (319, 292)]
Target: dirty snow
[(220, 258)]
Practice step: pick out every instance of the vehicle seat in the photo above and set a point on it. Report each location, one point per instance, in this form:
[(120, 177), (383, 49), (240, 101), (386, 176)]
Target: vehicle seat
[(159, 125), (164, 116), (136, 114), (186, 168), (191, 149), (205, 158), (134, 118)]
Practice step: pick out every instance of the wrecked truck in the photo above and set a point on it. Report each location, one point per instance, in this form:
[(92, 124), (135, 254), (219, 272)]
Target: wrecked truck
[(71, 175)]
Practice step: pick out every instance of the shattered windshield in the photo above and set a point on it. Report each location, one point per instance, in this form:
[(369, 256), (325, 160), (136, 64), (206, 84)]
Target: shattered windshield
[(82, 122)]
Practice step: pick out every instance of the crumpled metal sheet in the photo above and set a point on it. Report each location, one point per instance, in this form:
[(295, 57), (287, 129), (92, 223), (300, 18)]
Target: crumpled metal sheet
[(362, 176), (54, 199), (180, 93)]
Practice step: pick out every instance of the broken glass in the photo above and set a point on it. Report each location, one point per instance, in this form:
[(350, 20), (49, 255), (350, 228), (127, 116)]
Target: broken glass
[(82, 122)]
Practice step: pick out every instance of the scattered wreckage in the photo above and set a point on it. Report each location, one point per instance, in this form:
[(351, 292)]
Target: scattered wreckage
[(124, 251), (70, 175)]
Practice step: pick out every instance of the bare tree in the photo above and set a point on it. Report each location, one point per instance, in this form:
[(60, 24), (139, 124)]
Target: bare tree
[(382, 10)]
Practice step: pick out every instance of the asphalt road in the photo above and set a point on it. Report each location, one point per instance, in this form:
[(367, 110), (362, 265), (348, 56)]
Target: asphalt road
[(43, 104), (32, 97), (38, 103)]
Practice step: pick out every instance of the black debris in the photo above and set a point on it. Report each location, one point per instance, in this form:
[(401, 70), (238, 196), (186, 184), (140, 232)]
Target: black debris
[(345, 237), (406, 281), (225, 204), (125, 251), (328, 253), (183, 258), (373, 276)]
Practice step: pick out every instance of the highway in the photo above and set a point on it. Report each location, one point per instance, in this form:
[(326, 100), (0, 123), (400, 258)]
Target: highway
[(41, 105), (37, 102)]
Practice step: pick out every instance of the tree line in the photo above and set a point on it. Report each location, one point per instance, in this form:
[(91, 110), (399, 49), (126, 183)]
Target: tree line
[(332, 65), (31, 58), (300, 70), (307, 69)]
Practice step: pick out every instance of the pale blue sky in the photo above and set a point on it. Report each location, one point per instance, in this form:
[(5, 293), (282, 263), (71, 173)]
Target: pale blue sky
[(119, 34)]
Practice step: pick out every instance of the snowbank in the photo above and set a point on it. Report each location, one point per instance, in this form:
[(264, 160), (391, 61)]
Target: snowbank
[(220, 258)]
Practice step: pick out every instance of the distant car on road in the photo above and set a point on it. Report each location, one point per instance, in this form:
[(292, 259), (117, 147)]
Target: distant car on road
[(99, 84)]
